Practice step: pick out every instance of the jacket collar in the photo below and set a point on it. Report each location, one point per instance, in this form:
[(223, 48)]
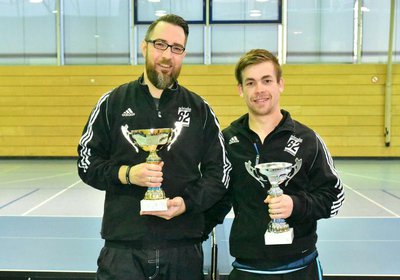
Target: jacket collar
[(286, 123)]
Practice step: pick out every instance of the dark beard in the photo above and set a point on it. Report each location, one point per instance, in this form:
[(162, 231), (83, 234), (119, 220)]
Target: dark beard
[(160, 80)]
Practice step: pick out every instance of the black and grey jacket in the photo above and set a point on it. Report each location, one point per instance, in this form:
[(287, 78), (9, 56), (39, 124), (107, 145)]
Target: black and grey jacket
[(316, 190), (196, 167)]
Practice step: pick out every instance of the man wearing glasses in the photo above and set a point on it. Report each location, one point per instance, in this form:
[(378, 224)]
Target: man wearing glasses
[(194, 172)]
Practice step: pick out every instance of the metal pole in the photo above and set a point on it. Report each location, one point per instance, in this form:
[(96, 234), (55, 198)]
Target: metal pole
[(214, 274), (60, 32), (207, 37), (358, 32), (282, 35), (132, 42), (388, 87)]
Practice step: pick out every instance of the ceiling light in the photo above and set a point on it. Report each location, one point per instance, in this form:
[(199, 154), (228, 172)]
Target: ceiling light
[(255, 13), (35, 1), (160, 13)]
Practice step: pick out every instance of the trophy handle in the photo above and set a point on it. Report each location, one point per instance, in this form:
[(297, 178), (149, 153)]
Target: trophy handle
[(252, 172), (295, 168), (127, 134), (174, 134)]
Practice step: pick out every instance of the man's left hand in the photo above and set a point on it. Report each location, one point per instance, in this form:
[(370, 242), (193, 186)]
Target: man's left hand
[(279, 207)]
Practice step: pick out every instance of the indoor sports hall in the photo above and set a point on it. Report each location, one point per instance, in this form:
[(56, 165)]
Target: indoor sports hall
[(341, 67)]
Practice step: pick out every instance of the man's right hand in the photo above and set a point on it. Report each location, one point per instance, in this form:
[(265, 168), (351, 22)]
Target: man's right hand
[(143, 174)]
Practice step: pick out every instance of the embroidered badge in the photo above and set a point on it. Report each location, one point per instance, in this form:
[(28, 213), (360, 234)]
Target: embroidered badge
[(184, 116), (293, 145)]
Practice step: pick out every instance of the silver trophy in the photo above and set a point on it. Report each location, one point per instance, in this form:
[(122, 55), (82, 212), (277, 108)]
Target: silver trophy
[(278, 231), (152, 140)]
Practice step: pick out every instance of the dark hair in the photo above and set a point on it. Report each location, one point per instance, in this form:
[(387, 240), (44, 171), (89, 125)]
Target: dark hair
[(170, 18), (256, 56)]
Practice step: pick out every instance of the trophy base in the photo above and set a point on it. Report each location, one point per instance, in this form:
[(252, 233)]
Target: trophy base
[(272, 238), (153, 205)]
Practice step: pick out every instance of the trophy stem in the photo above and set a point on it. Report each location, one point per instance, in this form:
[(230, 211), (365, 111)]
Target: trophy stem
[(277, 225), (153, 158), (154, 193), (275, 190)]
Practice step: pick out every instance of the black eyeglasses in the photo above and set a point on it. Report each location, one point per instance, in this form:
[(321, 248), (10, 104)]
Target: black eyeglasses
[(161, 45)]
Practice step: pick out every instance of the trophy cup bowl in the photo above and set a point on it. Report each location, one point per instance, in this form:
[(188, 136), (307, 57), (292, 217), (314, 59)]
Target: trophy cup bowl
[(151, 140), (278, 231)]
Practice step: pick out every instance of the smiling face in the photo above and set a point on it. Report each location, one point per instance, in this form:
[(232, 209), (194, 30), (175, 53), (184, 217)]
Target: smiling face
[(163, 66), (261, 89)]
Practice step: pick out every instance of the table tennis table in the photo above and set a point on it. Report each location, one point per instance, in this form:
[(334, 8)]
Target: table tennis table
[(37, 247), (50, 223)]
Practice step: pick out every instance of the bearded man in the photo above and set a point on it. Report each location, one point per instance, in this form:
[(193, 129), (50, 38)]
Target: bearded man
[(194, 170)]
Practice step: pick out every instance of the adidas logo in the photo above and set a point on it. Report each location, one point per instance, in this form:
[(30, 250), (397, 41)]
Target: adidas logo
[(128, 113), (233, 140)]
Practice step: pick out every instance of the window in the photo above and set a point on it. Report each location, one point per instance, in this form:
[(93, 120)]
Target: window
[(246, 11), (376, 32), (146, 11), (111, 31), (97, 32), (230, 42), (28, 32), (320, 31)]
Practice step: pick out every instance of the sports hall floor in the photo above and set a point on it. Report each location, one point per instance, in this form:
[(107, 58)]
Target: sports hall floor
[(50, 223)]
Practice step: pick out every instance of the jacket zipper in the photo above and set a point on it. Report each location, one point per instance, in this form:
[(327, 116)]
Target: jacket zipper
[(257, 153)]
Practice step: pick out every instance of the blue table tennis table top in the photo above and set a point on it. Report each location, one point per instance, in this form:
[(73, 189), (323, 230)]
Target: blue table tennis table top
[(50, 222), (44, 244)]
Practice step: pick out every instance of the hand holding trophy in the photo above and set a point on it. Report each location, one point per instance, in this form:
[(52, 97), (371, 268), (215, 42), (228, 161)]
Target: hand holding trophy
[(151, 140), (278, 231)]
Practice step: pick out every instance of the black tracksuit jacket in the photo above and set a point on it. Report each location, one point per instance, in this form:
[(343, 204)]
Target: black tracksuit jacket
[(316, 191), (196, 167)]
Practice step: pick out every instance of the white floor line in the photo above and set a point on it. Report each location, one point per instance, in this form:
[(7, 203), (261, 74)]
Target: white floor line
[(50, 198), (36, 178), (372, 201), (369, 177), (4, 171)]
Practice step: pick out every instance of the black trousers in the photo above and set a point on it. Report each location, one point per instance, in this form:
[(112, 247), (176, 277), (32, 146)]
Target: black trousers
[(181, 263), (311, 272)]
